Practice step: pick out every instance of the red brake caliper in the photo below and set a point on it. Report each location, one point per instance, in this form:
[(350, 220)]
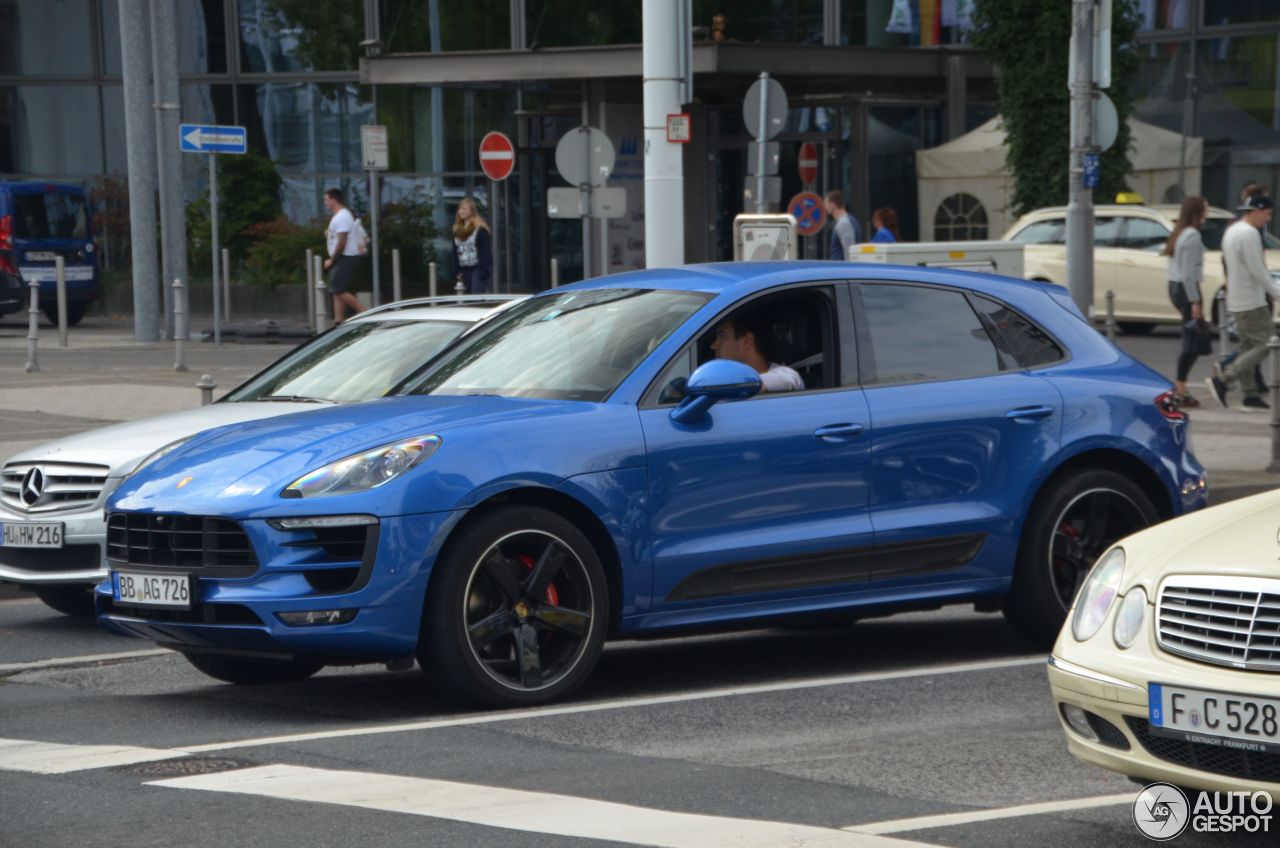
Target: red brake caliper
[(551, 596)]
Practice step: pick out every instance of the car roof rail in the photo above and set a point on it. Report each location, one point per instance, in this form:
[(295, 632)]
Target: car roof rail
[(442, 300)]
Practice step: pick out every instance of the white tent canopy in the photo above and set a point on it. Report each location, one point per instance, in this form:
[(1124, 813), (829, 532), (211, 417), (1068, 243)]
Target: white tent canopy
[(975, 165)]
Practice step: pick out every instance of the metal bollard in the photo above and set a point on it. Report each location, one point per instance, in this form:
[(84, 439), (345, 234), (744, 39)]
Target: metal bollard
[(206, 387), (1224, 335), (1111, 316), (60, 276), (432, 282), (33, 327), (395, 274), (1273, 348), (226, 285), (555, 273), (321, 311), (459, 290), (179, 326), (311, 285)]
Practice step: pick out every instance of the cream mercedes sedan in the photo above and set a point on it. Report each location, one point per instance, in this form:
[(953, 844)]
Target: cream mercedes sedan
[(1127, 259), (1168, 668)]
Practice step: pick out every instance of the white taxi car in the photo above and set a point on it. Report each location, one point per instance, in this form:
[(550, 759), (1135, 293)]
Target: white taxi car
[(52, 528), (1168, 668), (1127, 260)]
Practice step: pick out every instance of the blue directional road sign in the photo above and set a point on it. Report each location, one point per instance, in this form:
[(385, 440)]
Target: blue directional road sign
[(1092, 170), (200, 138)]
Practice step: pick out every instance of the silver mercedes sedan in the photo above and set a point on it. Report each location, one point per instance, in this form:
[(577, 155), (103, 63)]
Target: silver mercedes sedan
[(52, 528)]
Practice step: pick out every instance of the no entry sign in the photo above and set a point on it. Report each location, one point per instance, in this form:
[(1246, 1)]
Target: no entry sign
[(806, 208), (808, 162), (497, 156)]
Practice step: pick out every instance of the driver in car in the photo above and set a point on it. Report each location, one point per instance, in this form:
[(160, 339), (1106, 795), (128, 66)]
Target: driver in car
[(744, 338)]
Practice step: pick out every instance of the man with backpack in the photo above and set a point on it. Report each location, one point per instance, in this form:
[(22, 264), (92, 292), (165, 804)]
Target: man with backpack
[(346, 242)]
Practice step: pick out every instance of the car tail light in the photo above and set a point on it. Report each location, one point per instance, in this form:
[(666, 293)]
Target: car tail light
[(6, 232), (1167, 404)]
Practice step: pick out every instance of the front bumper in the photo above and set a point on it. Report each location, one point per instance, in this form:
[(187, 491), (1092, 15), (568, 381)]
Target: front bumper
[(242, 615), (1112, 685), (81, 559)]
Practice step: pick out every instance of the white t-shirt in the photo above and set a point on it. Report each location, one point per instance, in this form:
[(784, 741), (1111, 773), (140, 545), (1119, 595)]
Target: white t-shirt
[(780, 378), (342, 222)]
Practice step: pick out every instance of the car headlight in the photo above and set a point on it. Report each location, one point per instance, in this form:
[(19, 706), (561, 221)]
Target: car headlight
[(164, 451), (1097, 595), (363, 471), (1130, 616)]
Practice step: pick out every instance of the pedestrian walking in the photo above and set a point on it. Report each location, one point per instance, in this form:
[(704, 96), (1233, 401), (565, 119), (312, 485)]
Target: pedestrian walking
[(472, 248), (845, 232), (885, 223), (1185, 249), (343, 238), (1246, 191), (1251, 282)]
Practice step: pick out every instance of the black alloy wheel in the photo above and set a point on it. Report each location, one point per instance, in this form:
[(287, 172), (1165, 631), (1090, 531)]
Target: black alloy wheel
[(517, 610), (1072, 522)]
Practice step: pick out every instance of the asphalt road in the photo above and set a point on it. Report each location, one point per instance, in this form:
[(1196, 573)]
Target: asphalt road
[(858, 736)]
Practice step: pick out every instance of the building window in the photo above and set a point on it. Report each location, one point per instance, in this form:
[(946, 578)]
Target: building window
[(407, 25), (45, 37), (1227, 12), (51, 131), (960, 217), (300, 35)]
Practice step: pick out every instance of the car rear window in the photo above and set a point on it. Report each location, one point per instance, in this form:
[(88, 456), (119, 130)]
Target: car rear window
[(49, 215), (1020, 342)]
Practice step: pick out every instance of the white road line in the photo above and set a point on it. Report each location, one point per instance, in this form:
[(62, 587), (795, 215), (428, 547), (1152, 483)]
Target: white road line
[(56, 758), (518, 810), (88, 659), (953, 819), (628, 703)]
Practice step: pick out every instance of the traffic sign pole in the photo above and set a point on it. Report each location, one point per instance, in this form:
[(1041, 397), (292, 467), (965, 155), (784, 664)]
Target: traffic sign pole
[(498, 160), (762, 137), (217, 252)]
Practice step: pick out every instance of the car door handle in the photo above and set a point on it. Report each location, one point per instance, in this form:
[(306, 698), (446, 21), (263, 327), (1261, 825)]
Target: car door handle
[(838, 432), (1029, 413)]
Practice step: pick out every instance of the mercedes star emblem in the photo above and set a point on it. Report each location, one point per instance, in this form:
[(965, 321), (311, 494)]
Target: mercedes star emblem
[(32, 487)]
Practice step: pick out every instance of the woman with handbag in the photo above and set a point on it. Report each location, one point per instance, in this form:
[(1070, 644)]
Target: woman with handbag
[(472, 248), (1185, 250)]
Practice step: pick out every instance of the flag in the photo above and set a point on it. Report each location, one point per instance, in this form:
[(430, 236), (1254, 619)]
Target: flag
[(900, 19)]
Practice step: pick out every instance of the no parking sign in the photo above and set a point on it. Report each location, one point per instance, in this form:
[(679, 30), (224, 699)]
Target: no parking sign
[(806, 208)]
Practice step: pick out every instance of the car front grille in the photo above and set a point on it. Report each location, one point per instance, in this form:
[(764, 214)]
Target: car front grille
[(53, 486), (210, 547), (1229, 621), (1232, 762)]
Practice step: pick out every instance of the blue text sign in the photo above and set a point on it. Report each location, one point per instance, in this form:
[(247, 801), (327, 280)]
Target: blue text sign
[(202, 138)]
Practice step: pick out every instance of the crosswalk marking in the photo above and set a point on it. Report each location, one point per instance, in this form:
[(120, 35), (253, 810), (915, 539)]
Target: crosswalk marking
[(520, 810), (972, 816), (57, 758)]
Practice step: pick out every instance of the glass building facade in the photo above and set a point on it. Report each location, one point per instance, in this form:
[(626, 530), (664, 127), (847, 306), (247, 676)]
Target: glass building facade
[(295, 73)]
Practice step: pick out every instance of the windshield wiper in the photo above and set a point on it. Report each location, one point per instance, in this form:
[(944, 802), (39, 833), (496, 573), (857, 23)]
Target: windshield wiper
[(294, 399)]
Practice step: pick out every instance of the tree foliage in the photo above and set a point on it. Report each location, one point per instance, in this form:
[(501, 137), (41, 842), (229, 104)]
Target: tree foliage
[(248, 194), (1028, 42)]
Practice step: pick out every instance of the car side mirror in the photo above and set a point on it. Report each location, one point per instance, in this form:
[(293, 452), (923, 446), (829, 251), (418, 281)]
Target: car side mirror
[(719, 379)]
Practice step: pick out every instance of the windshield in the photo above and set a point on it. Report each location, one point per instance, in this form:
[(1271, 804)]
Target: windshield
[(357, 361), (1215, 228), (572, 346)]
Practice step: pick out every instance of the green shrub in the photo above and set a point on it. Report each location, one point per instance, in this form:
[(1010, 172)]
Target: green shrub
[(248, 195), (277, 251)]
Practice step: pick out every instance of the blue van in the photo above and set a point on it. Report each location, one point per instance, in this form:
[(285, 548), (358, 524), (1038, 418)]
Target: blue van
[(39, 222)]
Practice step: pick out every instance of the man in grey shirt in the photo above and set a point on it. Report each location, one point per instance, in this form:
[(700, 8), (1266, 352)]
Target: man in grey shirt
[(1251, 282), (844, 227)]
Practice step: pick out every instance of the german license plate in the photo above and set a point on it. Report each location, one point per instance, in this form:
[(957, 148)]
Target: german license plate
[(32, 535), (41, 256), (1222, 719), (152, 590)]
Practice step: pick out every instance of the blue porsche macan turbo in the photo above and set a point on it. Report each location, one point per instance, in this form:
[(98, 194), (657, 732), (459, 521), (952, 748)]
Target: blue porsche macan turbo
[(582, 468)]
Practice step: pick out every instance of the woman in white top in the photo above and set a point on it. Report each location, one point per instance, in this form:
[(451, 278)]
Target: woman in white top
[(472, 248), (1185, 250)]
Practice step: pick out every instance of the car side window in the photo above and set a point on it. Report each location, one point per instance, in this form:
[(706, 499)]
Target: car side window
[(911, 333), (1144, 234), (1050, 231), (1020, 343), (799, 325), (1106, 231)]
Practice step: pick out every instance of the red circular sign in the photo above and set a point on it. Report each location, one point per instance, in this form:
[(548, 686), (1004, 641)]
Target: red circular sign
[(806, 207), (497, 156), (808, 162)]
